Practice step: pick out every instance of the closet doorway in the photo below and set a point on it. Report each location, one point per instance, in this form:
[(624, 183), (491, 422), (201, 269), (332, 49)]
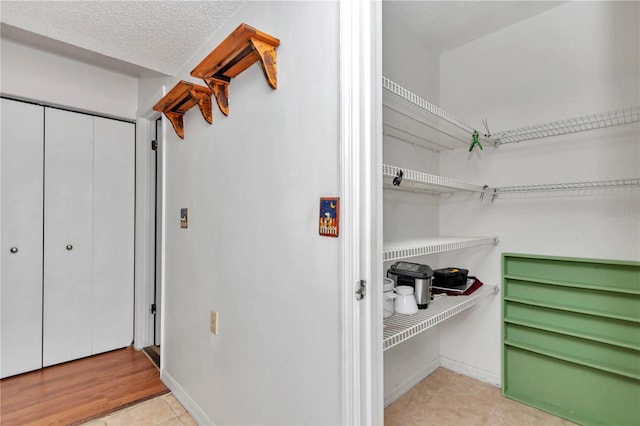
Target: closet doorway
[(153, 351)]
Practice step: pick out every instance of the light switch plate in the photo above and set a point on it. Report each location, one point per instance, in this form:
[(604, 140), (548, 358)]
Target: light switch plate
[(214, 322)]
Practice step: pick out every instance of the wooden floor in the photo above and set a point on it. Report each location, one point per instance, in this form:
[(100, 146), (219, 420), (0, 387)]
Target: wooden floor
[(80, 390)]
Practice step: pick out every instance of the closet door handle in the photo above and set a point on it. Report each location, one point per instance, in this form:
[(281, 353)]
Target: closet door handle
[(69, 247), (13, 250)]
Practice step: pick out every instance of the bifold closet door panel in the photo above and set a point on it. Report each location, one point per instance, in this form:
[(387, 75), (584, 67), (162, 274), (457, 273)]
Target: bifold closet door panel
[(113, 231), (68, 242), (21, 277)]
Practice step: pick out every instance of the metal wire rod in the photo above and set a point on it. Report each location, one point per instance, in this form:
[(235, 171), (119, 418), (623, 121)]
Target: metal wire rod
[(416, 117), (389, 130), (571, 186), (571, 125)]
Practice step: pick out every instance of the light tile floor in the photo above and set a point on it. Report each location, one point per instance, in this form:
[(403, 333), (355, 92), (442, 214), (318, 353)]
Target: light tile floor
[(447, 398), (162, 410), (444, 398)]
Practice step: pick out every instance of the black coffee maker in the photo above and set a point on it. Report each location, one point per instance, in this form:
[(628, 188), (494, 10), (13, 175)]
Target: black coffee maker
[(414, 275)]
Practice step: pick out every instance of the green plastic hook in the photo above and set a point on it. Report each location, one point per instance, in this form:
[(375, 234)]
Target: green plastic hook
[(475, 140)]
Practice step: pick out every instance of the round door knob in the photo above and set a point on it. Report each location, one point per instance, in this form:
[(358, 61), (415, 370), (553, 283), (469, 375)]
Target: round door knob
[(69, 247), (13, 250)]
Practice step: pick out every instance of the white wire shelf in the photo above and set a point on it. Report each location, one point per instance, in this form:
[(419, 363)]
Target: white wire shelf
[(572, 186), (571, 125), (412, 119), (399, 328), (423, 182), (413, 248)]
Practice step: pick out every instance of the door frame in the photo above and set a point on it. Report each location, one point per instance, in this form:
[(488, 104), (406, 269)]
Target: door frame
[(145, 239), (158, 197), (361, 190)]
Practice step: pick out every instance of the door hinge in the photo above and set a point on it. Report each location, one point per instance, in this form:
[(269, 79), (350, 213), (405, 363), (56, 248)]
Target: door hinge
[(362, 290), (153, 309), (154, 145)]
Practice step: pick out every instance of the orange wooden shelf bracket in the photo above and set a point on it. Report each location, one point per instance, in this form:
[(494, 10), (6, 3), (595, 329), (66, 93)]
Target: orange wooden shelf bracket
[(241, 49), (182, 98)]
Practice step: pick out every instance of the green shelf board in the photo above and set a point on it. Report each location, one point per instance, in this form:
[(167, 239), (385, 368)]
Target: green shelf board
[(571, 284), (572, 309), (577, 260), (573, 333), (570, 390), (586, 363), (613, 274)]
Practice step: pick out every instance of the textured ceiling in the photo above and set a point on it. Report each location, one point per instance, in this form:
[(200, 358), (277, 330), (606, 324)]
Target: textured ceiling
[(150, 35), (146, 38), (444, 25)]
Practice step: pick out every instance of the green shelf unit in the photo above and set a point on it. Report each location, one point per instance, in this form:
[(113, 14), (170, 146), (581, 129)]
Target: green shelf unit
[(571, 337)]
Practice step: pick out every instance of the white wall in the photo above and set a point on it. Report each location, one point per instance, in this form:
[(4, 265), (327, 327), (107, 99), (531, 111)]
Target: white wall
[(408, 215), (575, 59), (37, 75), (252, 183)]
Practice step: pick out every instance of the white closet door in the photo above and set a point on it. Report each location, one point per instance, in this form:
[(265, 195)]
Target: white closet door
[(113, 232), (21, 277), (68, 242)]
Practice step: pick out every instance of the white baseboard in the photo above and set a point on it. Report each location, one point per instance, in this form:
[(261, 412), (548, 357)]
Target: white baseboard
[(189, 404), (414, 380), (473, 372)]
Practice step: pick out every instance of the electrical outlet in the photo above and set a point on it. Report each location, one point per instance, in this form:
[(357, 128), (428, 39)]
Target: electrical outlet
[(214, 322)]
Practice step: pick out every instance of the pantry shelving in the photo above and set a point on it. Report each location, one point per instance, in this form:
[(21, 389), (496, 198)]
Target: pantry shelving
[(413, 248), (561, 336), (415, 120), (423, 182), (399, 328), (571, 125), (410, 118)]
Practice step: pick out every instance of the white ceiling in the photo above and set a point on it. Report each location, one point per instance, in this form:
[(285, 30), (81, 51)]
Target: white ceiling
[(153, 37), (444, 25), (137, 37)]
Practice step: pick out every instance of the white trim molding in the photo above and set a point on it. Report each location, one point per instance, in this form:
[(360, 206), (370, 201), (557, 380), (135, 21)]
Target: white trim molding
[(361, 187), (183, 397), (471, 371), (411, 382)]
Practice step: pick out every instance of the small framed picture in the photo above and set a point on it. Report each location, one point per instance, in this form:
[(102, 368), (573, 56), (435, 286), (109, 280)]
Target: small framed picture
[(184, 219), (330, 216)]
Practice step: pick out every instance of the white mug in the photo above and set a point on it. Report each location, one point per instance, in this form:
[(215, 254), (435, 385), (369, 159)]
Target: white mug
[(405, 303)]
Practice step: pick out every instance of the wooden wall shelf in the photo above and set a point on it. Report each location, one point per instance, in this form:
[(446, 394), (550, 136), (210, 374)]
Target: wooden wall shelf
[(241, 49), (182, 98)]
